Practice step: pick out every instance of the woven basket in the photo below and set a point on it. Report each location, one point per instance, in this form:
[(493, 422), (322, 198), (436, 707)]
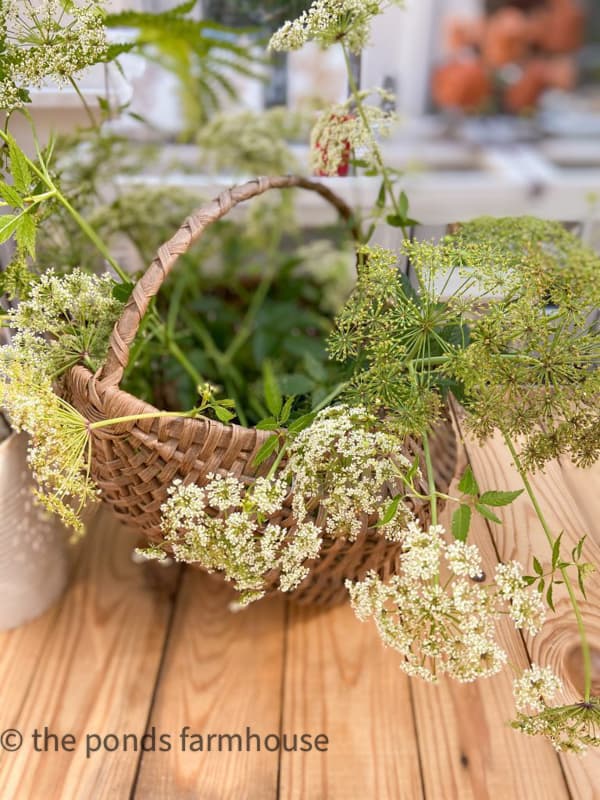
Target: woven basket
[(134, 463)]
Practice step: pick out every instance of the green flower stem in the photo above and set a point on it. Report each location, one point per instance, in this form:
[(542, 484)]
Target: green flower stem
[(331, 397), (585, 647), (105, 423), (430, 479), (389, 188), (92, 236), (85, 104), (277, 462), (54, 191), (184, 361), (245, 329)]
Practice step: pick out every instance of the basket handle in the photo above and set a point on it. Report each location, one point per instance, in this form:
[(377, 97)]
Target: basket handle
[(148, 285)]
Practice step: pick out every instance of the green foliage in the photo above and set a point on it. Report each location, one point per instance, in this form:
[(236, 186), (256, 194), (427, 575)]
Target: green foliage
[(545, 581), (251, 143), (505, 316), (203, 55), (394, 339)]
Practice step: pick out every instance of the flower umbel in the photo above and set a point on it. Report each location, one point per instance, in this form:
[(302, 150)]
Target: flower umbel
[(340, 131), (571, 728), (47, 40), (328, 22), (439, 627), (224, 527)]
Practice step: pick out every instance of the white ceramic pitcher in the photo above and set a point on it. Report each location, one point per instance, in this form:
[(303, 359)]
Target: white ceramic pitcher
[(34, 559)]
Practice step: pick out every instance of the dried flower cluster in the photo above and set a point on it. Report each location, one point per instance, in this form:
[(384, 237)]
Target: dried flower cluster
[(340, 132), (47, 40), (328, 22), (445, 627)]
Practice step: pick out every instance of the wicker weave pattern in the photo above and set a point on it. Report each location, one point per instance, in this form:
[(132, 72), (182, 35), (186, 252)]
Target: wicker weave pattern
[(134, 463)]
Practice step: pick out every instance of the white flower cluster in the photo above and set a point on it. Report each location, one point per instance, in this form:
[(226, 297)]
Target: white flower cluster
[(328, 22), (341, 467), (345, 465), (59, 443), (65, 320), (535, 686), (224, 527), (526, 608), (437, 627), (340, 132), (44, 40)]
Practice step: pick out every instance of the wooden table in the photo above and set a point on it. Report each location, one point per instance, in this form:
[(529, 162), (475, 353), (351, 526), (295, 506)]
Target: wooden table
[(135, 649)]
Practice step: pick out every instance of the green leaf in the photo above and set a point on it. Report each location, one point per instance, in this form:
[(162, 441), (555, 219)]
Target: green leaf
[(396, 221), (19, 168), (500, 498), (8, 225), (580, 574), (390, 511), (315, 368), (461, 522), (556, 550), (223, 414), (541, 585), (488, 513), (286, 410), (549, 597), (414, 468), (579, 547), (403, 205), (380, 202), (359, 162), (537, 566), (273, 397), (268, 424), (10, 196), (267, 449), (529, 579), (468, 484), (302, 422), (25, 234), (122, 291)]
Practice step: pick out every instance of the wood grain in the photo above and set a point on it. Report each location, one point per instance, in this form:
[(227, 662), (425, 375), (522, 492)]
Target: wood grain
[(520, 537), (467, 748), (222, 674), (96, 671), (342, 682)]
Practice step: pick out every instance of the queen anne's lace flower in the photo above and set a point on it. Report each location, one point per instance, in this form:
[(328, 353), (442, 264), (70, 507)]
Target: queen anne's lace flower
[(330, 21), (43, 41), (345, 464), (535, 686), (464, 559), (65, 321), (340, 131), (439, 626), (236, 541), (341, 464)]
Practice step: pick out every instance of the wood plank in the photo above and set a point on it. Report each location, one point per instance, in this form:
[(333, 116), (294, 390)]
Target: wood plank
[(520, 537), (222, 673), (96, 673), (467, 749), (341, 681)]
